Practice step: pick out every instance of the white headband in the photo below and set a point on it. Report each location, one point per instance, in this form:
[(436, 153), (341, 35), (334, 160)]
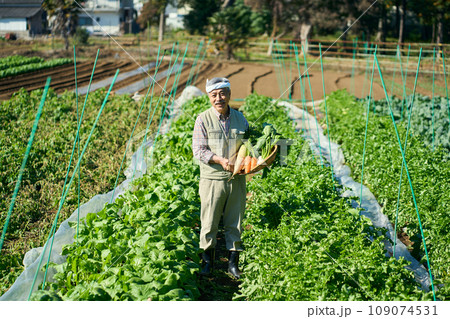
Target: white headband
[(217, 85)]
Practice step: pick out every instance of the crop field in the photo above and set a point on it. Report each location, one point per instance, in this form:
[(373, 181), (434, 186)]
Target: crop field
[(304, 239)]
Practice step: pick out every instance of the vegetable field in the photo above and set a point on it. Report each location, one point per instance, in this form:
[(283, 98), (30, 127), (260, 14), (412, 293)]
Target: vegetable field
[(304, 239), (16, 64), (37, 204), (429, 169)]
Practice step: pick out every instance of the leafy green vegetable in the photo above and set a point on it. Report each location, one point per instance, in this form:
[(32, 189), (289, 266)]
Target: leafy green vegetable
[(430, 172), (304, 241)]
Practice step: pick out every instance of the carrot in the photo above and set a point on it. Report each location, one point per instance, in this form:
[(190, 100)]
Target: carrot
[(254, 163), (247, 164), (239, 159)]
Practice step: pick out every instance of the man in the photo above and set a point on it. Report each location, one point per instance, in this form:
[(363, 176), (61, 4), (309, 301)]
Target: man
[(217, 136)]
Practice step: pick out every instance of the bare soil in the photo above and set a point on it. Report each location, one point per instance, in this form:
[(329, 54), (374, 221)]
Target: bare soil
[(245, 78)]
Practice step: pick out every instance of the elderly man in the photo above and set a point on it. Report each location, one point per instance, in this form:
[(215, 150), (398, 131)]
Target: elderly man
[(217, 136)]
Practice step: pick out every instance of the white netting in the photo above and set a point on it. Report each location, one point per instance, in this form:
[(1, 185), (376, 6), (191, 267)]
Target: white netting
[(65, 234), (372, 209)]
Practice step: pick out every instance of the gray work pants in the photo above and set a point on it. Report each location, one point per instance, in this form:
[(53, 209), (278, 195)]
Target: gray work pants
[(220, 197)]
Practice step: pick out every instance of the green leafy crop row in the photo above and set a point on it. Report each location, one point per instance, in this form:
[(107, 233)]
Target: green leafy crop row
[(17, 60), (43, 178), (145, 245), (304, 241), (429, 171), (16, 69), (429, 118)]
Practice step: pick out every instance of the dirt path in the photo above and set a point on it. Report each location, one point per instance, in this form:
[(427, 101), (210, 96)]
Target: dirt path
[(245, 78), (220, 286)]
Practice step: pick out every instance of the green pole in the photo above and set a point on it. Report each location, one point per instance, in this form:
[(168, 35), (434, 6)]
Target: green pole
[(405, 97), (366, 50), (326, 114), (201, 61), (290, 70), (282, 69), (24, 162), (301, 84), (302, 87), (404, 86), (65, 192), (149, 121), (407, 173), (404, 148), (194, 64), (170, 70), (432, 98), (395, 69), (79, 120), (446, 86), (173, 91), (134, 127), (314, 108), (353, 66), (367, 124), (163, 111), (78, 140), (275, 66), (152, 84)]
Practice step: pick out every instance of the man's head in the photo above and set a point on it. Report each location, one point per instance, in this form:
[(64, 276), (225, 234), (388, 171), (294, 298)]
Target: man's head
[(219, 93)]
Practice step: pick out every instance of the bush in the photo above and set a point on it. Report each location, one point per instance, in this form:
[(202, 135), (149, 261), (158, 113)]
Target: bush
[(81, 36)]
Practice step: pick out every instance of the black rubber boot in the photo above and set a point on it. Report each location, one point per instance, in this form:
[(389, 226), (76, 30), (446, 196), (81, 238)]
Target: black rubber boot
[(208, 262), (233, 261)]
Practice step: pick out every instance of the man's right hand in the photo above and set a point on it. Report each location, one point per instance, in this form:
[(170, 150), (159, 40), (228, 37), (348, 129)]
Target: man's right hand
[(224, 162)]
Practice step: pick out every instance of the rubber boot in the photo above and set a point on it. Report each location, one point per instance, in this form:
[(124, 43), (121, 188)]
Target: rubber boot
[(208, 262), (233, 261)]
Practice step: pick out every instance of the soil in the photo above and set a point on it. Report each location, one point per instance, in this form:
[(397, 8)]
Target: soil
[(221, 285), (245, 78)]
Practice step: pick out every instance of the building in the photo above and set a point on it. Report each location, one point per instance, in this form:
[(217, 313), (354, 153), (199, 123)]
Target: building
[(108, 16), (175, 16), (24, 18)]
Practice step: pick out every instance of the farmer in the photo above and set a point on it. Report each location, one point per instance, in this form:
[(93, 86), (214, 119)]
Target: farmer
[(217, 136)]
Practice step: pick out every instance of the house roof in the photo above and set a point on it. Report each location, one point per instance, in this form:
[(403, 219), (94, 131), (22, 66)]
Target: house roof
[(18, 12), (19, 8), (21, 2)]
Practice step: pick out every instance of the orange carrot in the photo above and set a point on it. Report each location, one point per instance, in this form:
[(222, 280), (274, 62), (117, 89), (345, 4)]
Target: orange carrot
[(247, 164), (253, 163)]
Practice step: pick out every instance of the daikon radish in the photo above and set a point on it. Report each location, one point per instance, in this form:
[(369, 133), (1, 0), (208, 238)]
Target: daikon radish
[(260, 160), (239, 159)]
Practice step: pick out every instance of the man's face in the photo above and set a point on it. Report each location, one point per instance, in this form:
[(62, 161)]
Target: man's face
[(219, 100)]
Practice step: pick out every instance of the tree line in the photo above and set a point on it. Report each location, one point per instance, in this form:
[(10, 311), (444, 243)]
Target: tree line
[(231, 22)]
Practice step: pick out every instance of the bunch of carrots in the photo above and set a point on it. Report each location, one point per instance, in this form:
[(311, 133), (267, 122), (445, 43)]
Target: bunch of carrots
[(247, 159)]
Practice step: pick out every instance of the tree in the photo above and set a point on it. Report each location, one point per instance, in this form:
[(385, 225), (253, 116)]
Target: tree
[(436, 14), (231, 27), (196, 21), (64, 14), (153, 13), (401, 29)]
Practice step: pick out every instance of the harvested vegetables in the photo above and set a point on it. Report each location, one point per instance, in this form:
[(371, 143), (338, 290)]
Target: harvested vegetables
[(247, 157)]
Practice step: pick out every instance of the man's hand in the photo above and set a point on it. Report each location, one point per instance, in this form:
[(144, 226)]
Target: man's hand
[(225, 163)]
